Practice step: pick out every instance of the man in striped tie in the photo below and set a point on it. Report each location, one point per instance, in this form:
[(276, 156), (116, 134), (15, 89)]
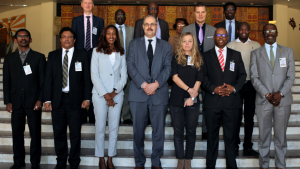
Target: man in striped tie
[(224, 76)]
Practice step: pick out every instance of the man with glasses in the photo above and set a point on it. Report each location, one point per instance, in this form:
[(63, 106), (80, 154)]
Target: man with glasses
[(230, 24), (272, 71), (149, 66), (162, 31), (224, 76), (23, 84), (126, 35)]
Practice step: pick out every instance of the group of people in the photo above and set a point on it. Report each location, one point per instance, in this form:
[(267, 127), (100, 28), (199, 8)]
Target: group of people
[(121, 69)]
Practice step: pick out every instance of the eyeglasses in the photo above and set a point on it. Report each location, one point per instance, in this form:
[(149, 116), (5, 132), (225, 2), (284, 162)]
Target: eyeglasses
[(69, 37), (152, 24), (219, 35), (230, 9), (150, 9), (270, 31), (120, 16), (180, 26), (23, 36)]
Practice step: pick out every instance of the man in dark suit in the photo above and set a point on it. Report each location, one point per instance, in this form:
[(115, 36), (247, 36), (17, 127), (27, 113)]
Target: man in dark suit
[(23, 83), (149, 66), (230, 24), (162, 31), (224, 76), (68, 89), (88, 28)]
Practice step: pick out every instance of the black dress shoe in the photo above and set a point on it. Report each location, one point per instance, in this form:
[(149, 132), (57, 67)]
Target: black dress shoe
[(250, 153), (35, 166), (15, 166), (128, 121), (92, 120), (204, 136)]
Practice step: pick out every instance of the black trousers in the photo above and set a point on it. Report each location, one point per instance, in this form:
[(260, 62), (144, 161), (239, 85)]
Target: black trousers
[(18, 118), (90, 112), (247, 94), (184, 117), (63, 116), (230, 123)]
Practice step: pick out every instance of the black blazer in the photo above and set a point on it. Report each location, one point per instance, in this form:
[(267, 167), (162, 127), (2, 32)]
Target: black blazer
[(164, 27), (78, 27), (213, 77), (79, 81), (20, 89), (222, 24)]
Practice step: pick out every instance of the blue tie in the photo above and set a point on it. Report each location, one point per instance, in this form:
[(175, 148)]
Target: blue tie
[(229, 32), (88, 35)]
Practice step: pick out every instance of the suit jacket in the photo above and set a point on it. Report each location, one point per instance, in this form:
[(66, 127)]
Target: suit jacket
[(164, 27), (208, 40), (222, 24), (265, 80), (138, 70), (213, 77), (80, 85), (21, 89), (107, 77), (78, 27), (129, 35)]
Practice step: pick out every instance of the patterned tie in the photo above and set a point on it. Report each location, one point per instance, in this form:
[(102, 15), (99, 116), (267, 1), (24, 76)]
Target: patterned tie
[(150, 55), (23, 54), (200, 34), (221, 59), (65, 70), (88, 34), (272, 57), (121, 36), (229, 32)]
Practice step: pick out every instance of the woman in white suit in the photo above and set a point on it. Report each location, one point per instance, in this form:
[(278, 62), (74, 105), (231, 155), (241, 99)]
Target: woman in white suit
[(109, 76)]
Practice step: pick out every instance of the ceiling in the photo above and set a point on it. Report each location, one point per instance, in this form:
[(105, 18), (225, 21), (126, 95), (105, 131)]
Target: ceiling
[(290, 3)]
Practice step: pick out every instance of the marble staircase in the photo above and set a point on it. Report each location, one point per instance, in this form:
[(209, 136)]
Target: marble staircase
[(125, 155)]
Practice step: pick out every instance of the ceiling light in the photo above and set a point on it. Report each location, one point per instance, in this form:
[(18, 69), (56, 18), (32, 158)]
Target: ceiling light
[(13, 5), (137, 2), (251, 3)]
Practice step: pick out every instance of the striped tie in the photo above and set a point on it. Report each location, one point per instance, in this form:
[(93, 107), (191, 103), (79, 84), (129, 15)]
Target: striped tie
[(221, 59), (88, 34), (65, 70)]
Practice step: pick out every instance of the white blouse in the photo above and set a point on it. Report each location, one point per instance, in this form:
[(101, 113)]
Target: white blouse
[(112, 58)]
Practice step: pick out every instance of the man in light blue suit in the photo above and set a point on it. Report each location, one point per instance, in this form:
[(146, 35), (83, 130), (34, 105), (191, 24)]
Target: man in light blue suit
[(149, 66)]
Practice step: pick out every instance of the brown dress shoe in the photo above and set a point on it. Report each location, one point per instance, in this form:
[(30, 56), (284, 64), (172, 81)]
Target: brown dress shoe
[(152, 167), (139, 167), (278, 168)]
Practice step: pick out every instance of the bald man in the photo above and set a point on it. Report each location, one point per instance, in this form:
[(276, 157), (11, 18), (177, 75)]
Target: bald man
[(224, 76)]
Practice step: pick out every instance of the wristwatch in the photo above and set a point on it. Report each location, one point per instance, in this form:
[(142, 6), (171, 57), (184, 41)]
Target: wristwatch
[(234, 91), (192, 98), (281, 94)]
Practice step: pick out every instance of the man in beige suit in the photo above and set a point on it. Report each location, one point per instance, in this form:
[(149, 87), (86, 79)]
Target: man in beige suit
[(272, 71), (126, 35)]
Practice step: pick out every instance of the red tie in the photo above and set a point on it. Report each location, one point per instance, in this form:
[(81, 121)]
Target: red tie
[(221, 59)]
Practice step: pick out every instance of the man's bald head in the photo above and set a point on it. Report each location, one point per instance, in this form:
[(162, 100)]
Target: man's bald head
[(220, 37), (244, 24)]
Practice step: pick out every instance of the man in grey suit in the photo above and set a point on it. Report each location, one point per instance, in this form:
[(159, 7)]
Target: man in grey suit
[(126, 35), (272, 71), (204, 34), (149, 66)]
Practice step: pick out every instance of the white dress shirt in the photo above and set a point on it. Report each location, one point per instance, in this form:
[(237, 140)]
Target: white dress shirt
[(112, 58), (153, 43), (124, 35), (70, 55), (85, 25), (238, 40), (268, 47), (233, 31), (158, 31), (224, 53)]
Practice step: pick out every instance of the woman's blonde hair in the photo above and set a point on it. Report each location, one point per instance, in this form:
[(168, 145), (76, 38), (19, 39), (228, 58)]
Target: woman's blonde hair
[(196, 56)]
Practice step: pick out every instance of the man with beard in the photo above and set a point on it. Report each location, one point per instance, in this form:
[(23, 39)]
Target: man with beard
[(230, 24), (23, 84), (126, 35), (272, 72), (162, 31), (149, 66), (224, 76), (244, 45)]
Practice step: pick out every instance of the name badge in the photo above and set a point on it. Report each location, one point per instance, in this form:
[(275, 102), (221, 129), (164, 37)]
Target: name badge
[(189, 61), (232, 66), (94, 30), (282, 62), (27, 69), (210, 36), (78, 66)]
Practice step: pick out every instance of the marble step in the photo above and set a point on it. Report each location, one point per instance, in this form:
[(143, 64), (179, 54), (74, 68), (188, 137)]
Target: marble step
[(125, 158), (125, 141), (5, 125)]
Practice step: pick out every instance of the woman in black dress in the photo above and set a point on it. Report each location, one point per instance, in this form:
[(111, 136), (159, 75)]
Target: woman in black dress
[(184, 100)]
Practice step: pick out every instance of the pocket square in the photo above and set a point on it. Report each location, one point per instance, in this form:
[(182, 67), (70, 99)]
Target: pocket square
[(210, 36)]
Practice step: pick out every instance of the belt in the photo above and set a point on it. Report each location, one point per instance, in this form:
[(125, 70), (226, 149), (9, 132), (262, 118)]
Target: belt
[(65, 93)]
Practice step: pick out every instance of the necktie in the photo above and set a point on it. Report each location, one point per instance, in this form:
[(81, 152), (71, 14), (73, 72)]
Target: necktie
[(23, 54), (229, 32), (150, 55), (121, 36), (272, 57), (65, 70), (88, 34), (200, 34), (221, 59)]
